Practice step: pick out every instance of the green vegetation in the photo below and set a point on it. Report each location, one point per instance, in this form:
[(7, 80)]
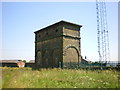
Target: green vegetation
[(24, 61), (58, 78)]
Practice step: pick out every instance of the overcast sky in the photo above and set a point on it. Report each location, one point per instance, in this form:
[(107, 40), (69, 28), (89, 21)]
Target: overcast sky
[(21, 19)]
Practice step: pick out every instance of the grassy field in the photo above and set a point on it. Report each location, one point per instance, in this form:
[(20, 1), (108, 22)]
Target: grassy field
[(58, 78)]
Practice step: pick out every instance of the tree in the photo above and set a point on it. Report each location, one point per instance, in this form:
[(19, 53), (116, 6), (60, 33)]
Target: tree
[(24, 61)]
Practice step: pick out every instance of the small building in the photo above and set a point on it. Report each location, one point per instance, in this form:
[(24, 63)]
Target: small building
[(58, 45), (21, 64), (32, 61), (84, 61), (9, 63)]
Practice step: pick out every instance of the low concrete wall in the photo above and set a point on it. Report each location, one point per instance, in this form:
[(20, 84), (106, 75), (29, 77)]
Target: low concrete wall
[(30, 65), (15, 64), (8, 64)]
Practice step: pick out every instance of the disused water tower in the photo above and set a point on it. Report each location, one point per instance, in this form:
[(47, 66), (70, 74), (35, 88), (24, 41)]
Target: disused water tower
[(58, 45)]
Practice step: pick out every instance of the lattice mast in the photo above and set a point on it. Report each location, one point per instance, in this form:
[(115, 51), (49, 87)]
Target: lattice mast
[(102, 32)]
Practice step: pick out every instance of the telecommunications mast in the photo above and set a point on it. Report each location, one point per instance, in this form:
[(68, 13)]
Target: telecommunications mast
[(102, 32)]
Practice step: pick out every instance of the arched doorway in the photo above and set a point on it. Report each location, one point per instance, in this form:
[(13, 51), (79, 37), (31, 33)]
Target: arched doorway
[(39, 59), (46, 59), (71, 57), (55, 55)]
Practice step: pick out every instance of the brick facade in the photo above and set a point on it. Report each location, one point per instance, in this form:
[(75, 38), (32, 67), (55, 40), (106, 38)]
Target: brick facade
[(58, 45)]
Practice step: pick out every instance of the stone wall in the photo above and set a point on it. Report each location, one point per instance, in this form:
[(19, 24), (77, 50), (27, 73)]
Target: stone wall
[(71, 47), (57, 44), (49, 47)]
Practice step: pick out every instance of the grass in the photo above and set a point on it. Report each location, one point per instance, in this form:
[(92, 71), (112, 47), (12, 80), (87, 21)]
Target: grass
[(58, 78)]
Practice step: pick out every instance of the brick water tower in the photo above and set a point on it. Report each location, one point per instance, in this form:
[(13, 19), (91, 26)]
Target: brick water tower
[(58, 45)]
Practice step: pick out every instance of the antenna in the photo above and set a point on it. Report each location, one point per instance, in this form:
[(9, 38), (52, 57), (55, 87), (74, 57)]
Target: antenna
[(102, 32)]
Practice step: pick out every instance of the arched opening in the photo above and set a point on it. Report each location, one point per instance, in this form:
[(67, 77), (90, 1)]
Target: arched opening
[(71, 57), (39, 59), (55, 55), (46, 59)]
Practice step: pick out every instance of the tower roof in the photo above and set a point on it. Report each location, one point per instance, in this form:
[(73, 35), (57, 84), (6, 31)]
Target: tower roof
[(60, 22)]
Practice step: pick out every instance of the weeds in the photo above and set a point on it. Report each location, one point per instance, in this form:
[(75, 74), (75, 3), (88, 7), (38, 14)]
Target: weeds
[(58, 78)]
